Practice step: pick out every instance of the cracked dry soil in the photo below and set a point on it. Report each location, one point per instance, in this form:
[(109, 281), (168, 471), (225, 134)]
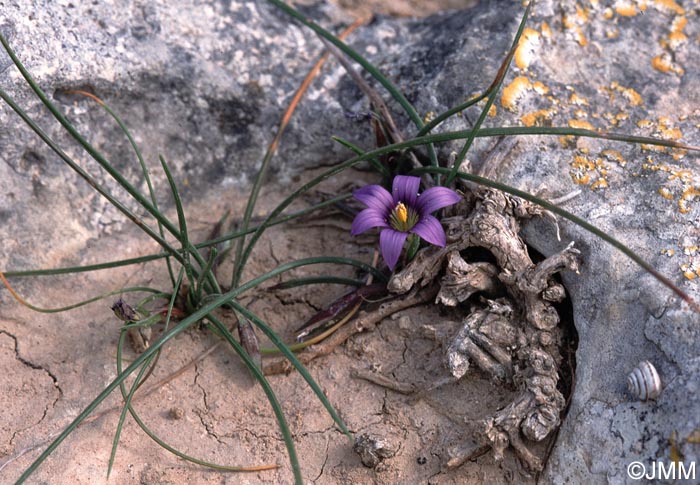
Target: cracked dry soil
[(52, 366)]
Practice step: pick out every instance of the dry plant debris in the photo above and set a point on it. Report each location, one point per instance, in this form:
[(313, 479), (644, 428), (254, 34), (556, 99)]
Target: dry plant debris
[(513, 335)]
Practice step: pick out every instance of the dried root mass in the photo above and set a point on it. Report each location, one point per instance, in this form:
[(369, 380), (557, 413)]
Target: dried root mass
[(514, 334)]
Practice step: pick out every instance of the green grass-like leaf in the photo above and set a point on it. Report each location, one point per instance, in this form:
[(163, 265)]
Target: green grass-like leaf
[(366, 65), (276, 406), (495, 87), (284, 349)]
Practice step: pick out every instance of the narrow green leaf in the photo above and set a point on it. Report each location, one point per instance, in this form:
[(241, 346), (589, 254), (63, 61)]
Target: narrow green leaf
[(271, 397), (193, 318), (359, 151), (146, 176), (579, 222), (366, 65), (154, 257), (496, 86), (284, 349), (317, 280), (184, 236)]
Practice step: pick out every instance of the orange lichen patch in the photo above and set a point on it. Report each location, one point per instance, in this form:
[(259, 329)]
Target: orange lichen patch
[(691, 270), (629, 94), (684, 176), (671, 133), (626, 9), (540, 88), (567, 141), (517, 88), (614, 156), (581, 13), (580, 178), (677, 37), (429, 116), (652, 148), (668, 252), (678, 153), (538, 118), (546, 30), (584, 168), (580, 114), (525, 52), (578, 100), (571, 23), (612, 33), (601, 183), (583, 163), (580, 37), (581, 124), (616, 119), (669, 6), (663, 63), (666, 131), (688, 194), (690, 250), (665, 193), (688, 272), (608, 13), (513, 91), (649, 164), (645, 123), (632, 96)]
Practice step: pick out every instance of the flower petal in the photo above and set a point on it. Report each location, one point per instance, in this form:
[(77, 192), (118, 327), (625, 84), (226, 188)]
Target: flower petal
[(405, 189), (367, 219), (375, 197), (429, 228), (436, 198), (391, 243)]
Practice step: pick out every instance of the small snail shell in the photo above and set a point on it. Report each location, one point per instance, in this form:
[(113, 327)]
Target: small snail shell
[(644, 381)]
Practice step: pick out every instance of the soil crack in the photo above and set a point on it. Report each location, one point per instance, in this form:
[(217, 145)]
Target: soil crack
[(201, 414), (34, 366)]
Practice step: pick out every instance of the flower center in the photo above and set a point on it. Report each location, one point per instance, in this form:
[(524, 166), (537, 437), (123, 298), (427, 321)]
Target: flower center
[(403, 218)]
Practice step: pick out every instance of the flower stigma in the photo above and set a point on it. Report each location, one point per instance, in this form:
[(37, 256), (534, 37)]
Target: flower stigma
[(403, 218), (401, 212)]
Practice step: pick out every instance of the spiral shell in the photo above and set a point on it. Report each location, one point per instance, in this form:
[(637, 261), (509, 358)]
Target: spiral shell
[(644, 381)]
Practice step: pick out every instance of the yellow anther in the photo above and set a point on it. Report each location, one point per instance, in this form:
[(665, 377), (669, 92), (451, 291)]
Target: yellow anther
[(401, 212)]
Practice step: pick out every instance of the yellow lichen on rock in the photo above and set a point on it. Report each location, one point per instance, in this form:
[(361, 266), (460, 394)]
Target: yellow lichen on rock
[(688, 194), (669, 6), (614, 156), (538, 118), (546, 30), (578, 100), (525, 52), (580, 124), (665, 193), (629, 94), (626, 9), (513, 91), (663, 63)]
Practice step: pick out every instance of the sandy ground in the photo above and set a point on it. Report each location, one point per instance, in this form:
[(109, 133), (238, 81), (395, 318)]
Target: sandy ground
[(53, 365)]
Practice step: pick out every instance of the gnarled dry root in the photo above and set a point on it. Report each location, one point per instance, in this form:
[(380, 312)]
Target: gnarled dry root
[(515, 338)]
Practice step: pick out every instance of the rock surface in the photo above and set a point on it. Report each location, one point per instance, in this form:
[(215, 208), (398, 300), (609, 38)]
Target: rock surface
[(206, 85)]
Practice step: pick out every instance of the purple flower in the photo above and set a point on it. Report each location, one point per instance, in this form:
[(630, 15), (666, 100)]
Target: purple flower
[(402, 212)]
